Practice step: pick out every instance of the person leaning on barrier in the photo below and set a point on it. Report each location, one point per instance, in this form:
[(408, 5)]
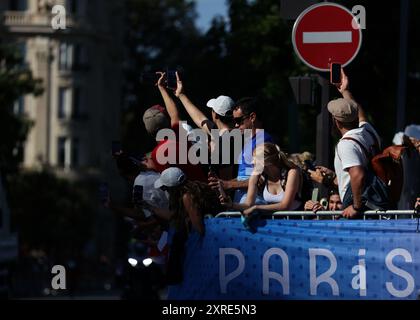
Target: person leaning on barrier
[(246, 116), (334, 203), (281, 190)]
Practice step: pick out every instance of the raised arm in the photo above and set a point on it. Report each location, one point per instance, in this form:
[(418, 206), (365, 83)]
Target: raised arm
[(344, 89), (170, 104), (196, 115)]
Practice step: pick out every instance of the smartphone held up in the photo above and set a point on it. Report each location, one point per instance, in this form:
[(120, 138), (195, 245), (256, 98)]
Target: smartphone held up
[(335, 73)]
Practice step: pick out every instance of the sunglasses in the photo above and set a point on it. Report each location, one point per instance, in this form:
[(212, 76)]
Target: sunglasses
[(240, 120)]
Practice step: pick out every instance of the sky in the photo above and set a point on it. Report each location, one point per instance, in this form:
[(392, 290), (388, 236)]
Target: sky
[(207, 9)]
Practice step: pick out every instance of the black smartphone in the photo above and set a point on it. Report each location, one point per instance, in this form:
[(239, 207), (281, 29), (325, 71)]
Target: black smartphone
[(149, 78), (335, 73), (103, 191), (171, 79), (116, 147), (309, 165), (138, 195)]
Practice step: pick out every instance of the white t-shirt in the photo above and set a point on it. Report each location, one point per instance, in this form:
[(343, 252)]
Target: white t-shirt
[(153, 196), (349, 154)]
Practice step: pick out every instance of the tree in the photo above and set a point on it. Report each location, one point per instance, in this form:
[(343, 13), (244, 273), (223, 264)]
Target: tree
[(15, 80), (50, 213), (160, 34), (251, 54)]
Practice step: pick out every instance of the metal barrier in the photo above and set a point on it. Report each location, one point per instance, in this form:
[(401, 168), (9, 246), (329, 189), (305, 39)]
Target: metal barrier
[(386, 215)]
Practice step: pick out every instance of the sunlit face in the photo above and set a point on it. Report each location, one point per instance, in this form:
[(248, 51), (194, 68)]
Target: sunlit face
[(241, 121), (335, 203), (258, 162), (148, 163)]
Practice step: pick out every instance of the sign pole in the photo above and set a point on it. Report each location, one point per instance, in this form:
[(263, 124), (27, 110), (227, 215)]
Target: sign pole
[(323, 126), (402, 70)]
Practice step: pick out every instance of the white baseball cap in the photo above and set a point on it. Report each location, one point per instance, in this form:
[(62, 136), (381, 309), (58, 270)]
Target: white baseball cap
[(170, 177), (413, 131), (221, 105)]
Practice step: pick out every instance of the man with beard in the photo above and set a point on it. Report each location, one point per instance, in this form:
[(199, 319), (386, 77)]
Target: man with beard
[(358, 143)]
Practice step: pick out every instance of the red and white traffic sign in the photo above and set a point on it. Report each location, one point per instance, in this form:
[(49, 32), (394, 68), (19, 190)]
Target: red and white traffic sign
[(326, 33)]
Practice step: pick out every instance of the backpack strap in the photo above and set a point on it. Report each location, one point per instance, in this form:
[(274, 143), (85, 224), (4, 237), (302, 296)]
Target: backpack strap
[(365, 151), (377, 143)]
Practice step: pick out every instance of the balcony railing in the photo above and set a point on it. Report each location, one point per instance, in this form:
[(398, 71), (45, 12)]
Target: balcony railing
[(25, 19)]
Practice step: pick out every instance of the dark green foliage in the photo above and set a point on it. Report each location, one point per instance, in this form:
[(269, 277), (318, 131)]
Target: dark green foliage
[(50, 213), (15, 80)]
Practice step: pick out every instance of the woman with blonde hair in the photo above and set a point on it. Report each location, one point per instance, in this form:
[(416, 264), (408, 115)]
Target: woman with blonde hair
[(282, 183)]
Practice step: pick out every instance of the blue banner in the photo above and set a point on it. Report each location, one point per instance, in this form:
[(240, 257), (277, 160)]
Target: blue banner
[(293, 259)]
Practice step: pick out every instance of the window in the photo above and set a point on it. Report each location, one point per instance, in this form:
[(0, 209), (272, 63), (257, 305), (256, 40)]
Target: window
[(75, 153), (79, 57), (73, 6), (65, 57), (22, 51), (62, 102), (61, 151), (19, 106), (77, 103), (18, 5)]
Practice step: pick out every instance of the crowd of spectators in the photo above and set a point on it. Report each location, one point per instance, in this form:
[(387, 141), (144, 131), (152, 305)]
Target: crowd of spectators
[(173, 194)]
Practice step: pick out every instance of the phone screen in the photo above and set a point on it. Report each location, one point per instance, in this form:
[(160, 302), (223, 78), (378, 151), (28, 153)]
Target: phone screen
[(335, 73), (309, 165), (171, 79)]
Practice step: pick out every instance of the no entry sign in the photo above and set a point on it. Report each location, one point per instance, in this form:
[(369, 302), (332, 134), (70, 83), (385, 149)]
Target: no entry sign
[(326, 33)]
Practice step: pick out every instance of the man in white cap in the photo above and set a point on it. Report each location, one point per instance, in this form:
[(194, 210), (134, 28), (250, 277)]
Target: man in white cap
[(222, 120), (221, 111)]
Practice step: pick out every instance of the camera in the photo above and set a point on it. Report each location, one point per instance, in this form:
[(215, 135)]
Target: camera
[(309, 165), (324, 202)]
